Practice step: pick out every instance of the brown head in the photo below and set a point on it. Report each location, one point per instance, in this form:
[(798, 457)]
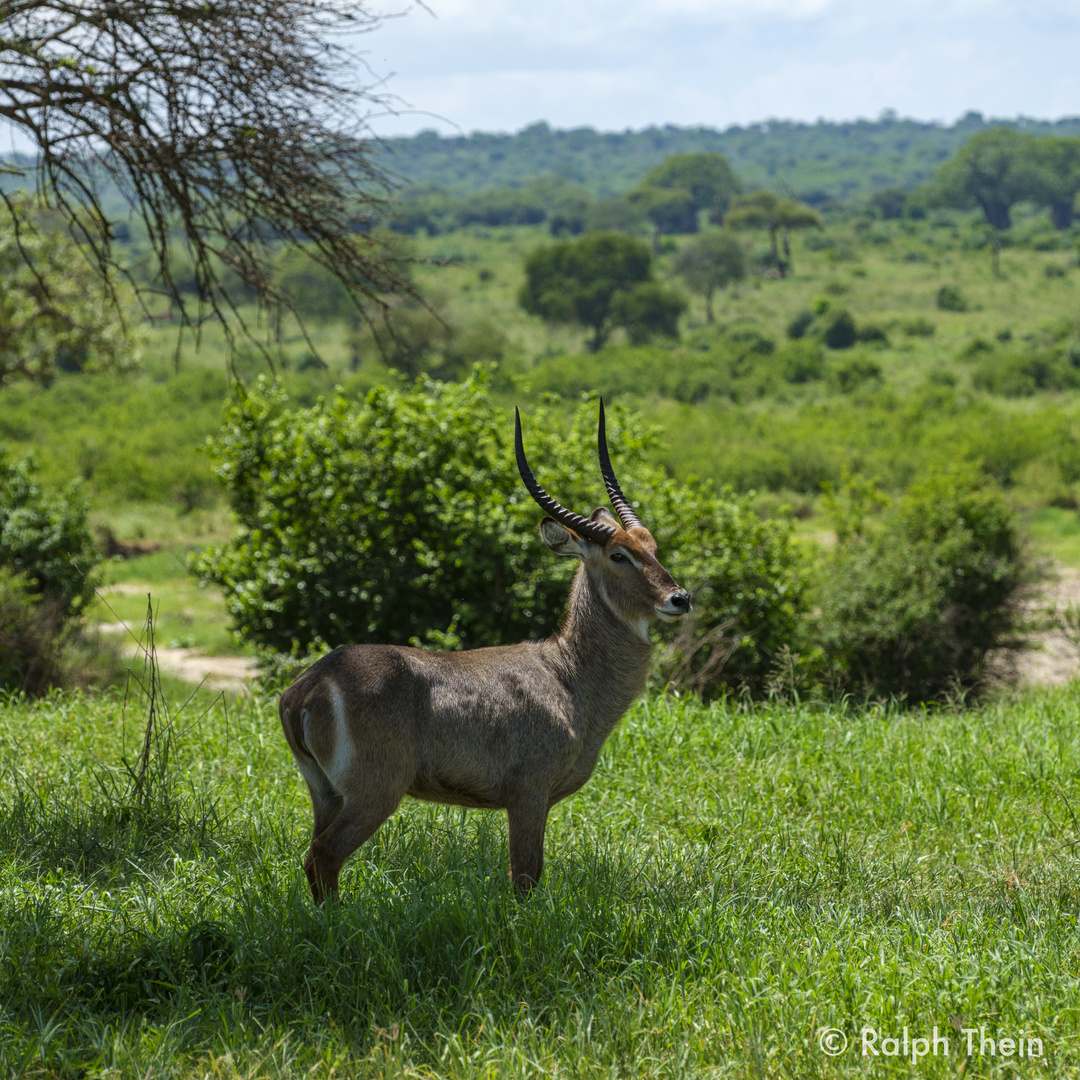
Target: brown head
[(619, 554)]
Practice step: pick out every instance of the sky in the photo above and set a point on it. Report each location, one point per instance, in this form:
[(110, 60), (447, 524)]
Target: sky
[(498, 65)]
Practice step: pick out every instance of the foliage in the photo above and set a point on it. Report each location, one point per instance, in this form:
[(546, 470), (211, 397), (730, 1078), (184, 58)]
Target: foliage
[(671, 211), (950, 298), (54, 312), (221, 127), (823, 161), (915, 598), (713, 261), (311, 288), (767, 210), (44, 536), (404, 520), (648, 310), (577, 281), (1057, 184), (31, 630), (838, 331), (706, 177), (47, 559), (995, 169), (889, 203)]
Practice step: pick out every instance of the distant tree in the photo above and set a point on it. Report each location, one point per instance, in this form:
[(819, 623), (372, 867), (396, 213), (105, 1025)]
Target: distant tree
[(54, 313), (767, 210), (231, 128), (671, 211), (614, 215), (1057, 182), (889, 202), (712, 261), (577, 281), (707, 177), (648, 310), (993, 170), (503, 206)]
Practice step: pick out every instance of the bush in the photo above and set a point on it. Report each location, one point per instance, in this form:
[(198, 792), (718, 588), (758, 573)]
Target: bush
[(31, 629), (1017, 374), (839, 332), (872, 334), (918, 327), (854, 371), (45, 538), (800, 323), (402, 518), (47, 558), (915, 597), (950, 298), (648, 310)]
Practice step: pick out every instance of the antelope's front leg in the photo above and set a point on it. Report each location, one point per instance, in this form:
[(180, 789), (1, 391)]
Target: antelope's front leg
[(527, 819)]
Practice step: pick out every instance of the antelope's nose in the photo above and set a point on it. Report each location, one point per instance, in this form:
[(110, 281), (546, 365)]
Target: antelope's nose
[(680, 600)]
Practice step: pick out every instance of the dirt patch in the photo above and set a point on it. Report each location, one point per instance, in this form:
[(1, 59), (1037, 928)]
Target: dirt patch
[(1052, 659), (230, 673), (126, 588)]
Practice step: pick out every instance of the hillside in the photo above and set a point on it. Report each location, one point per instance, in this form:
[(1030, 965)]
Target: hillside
[(826, 160)]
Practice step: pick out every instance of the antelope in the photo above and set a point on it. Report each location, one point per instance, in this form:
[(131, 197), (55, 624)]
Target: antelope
[(513, 727)]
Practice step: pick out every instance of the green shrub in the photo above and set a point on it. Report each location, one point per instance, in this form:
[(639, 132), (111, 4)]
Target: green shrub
[(800, 323), (648, 310), (47, 559), (839, 329), (31, 630), (1021, 374), (950, 298), (800, 361), (402, 518), (916, 596), (45, 537), (872, 334), (852, 372)]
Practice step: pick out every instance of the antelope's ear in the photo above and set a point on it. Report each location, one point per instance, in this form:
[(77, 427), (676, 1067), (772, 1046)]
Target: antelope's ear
[(564, 541), (605, 517)]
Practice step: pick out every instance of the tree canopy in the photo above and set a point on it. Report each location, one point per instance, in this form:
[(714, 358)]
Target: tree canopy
[(710, 262), (595, 282), (993, 170), (1057, 183), (767, 210), (707, 178), (233, 127), (54, 312)]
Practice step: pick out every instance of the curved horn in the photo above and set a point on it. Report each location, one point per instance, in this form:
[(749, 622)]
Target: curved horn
[(627, 516), (591, 530)]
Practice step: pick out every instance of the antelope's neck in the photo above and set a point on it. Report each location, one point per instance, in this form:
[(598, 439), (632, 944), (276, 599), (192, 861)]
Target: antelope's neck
[(606, 659)]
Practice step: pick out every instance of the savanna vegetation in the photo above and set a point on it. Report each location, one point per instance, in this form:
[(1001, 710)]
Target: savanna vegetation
[(851, 423)]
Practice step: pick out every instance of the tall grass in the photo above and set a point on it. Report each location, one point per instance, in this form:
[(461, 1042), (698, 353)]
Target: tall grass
[(732, 881)]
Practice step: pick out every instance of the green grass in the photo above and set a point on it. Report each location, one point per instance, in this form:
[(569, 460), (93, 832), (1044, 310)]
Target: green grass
[(730, 882)]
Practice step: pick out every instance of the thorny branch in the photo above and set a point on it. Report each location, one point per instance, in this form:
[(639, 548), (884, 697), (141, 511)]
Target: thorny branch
[(229, 127)]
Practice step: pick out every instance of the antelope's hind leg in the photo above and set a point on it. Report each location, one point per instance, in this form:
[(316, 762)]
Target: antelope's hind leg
[(326, 806), (360, 815)]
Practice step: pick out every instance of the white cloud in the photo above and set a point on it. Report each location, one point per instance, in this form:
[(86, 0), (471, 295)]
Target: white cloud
[(498, 65)]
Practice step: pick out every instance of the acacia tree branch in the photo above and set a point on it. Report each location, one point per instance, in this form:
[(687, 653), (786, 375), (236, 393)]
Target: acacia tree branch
[(231, 128)]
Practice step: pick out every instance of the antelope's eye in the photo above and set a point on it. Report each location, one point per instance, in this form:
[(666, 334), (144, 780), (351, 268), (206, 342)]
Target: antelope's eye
[(618, 556)]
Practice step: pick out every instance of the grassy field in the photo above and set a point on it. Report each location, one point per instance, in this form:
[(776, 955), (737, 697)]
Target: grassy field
[(733, 882)]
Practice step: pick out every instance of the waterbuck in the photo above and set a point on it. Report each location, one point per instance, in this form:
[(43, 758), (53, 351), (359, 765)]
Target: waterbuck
[(514, 727)]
